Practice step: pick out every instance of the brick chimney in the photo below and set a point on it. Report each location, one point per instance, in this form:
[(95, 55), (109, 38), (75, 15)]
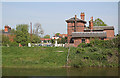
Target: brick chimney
[(6, 28), (91, 23), (75, 23), (75, 17), (82, 16)]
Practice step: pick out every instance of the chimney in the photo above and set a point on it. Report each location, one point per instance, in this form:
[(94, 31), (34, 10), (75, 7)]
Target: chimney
[(75, 23), (82, 16), (6, 28), (91, 23), (75, 17)]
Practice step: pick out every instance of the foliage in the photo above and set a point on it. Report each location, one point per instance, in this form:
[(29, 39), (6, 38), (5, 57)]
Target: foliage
[(83, 45), (35, 39), (12, 31), (96, 53), (105, 43), (13, 44), (47, 36), (58, 41), (64, 40), (5, 40), (52, 41), (99, 22), (92, 56), (57, 34), (22, 35)]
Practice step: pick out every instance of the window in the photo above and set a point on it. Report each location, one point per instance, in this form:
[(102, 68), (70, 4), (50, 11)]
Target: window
[(83, 40)]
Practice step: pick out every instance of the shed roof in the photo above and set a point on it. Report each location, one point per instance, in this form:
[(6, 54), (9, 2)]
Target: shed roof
[(89, 34)]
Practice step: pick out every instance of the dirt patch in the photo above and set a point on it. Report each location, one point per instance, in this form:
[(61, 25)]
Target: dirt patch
[(59, 51)]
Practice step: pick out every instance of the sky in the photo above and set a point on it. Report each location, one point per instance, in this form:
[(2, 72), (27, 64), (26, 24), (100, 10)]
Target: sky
[(52, 15)]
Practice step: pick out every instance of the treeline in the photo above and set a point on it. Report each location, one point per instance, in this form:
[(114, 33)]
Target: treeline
[(20, 35)]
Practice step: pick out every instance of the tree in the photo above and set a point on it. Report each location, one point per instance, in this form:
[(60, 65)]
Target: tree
[(5, 40), (22, 35), (57, 34), (47, 36), (64, 40), (12, 31), (52, 41), (99, 22), (38, 29), (35, 39)]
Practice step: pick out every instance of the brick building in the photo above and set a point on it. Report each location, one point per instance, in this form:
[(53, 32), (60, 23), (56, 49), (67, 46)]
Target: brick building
[(7, 32), (78, 32)]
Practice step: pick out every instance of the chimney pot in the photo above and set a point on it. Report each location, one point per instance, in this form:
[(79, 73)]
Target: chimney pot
[(82, 15), (75, 17)]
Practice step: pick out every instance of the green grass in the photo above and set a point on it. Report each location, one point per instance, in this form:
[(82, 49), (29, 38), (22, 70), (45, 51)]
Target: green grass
[(33, 56)]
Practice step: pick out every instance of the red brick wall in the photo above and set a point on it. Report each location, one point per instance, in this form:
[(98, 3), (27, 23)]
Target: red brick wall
[(110, 34), (77, 41), (70, 29), (80, 27)]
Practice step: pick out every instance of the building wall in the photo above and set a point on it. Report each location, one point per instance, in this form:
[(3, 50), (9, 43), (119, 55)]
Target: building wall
[(110, 34), (70, 29), (80, 27), (77, 41)]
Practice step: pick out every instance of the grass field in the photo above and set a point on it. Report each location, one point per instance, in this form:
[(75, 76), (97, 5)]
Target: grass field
[(33, 56)]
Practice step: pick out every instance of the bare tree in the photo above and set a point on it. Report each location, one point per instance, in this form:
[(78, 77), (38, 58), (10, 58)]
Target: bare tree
[(37, 29)]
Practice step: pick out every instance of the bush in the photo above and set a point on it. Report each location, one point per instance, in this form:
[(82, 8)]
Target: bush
[(14, 44), (77, 63), (93, 49), (86, 57), (80, 50), (83, 45)]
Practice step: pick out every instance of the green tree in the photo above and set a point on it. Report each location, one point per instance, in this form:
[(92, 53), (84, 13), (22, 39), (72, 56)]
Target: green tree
[(57, 34), (47, 36), (99, 22), (52, 41), (64, 40), (22, 35), (5, 40), (35, 39)]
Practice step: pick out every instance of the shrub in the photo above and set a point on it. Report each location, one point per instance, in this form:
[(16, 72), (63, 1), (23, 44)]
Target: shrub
[(93, 49), (77, 63), (80, 50), (14, 44), (83, 45), (86, 57)]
